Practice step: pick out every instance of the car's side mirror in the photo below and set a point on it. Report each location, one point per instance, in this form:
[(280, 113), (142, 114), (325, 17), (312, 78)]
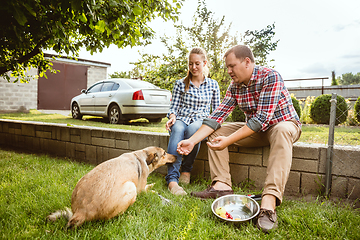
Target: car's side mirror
[(83, 91)]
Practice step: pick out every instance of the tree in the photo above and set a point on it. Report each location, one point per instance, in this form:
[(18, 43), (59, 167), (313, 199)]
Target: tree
[(28, 27), (209, 33), (349, 79), (333, 79), (261, 44), (120, 75)]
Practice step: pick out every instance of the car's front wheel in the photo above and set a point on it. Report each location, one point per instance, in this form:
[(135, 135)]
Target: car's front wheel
[(75, 111), (115, 115)]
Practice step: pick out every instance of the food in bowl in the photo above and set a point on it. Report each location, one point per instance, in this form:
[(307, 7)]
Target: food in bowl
[(221, 211), (241, 208)]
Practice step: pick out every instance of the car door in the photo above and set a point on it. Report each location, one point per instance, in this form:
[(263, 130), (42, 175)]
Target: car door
[(103, 98), (87, 101)]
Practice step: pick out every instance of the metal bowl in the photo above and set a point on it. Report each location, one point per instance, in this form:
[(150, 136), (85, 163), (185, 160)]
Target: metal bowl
[(241, 207)]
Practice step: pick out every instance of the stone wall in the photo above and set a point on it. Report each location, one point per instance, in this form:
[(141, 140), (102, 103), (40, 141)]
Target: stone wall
[(95, 145)]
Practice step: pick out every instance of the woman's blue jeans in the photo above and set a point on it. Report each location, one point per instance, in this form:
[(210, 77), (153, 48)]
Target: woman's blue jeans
[(180, 131)]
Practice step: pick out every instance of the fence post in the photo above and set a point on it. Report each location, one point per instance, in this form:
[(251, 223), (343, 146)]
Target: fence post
[(329, 153)]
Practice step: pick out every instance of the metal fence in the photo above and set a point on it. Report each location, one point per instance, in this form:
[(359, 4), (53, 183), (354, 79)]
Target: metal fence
[(346, 136), (310, 79)]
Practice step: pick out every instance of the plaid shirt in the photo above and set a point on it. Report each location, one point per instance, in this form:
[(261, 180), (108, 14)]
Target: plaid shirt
[(194, 104), (265, 100)]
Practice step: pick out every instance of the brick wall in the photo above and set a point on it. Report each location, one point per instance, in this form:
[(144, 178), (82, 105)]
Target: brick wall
[(18, 96), (96, 74), (95, 145)]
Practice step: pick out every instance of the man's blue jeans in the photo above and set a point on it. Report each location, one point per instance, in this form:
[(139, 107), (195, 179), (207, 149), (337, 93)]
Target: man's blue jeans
[(180, 131)]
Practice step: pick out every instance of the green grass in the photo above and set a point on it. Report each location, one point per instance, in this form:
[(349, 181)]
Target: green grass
[(32, 186), (136, 125), (319, 134), (310, 133)]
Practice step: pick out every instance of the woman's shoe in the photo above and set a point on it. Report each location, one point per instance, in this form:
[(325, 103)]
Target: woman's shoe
[(177, 190), (184, 178)]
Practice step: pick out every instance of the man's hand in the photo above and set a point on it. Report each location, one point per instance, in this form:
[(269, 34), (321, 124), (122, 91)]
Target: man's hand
[(184, 147), (219, 143)]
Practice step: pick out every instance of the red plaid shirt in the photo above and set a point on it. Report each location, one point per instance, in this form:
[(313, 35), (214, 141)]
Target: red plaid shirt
[(265, 99)]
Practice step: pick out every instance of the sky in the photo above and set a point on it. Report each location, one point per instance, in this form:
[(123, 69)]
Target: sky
[(316, 36)]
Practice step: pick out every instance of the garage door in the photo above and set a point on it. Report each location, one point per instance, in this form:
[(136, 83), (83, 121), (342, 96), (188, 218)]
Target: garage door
[(55, 92)]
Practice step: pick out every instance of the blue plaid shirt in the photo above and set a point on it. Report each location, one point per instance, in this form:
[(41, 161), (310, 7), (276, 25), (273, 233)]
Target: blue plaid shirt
[(194, 104)]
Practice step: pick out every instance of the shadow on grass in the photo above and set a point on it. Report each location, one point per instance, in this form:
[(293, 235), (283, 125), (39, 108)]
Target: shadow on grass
[(136, 122)]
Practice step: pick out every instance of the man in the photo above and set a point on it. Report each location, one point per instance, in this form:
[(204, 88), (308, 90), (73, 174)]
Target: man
[(271, 120)]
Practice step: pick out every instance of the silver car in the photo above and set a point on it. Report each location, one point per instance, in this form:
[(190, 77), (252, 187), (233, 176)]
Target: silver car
[(122, 100)]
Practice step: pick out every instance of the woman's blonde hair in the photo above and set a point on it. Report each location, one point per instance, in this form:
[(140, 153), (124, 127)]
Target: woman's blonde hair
[(200, 51)]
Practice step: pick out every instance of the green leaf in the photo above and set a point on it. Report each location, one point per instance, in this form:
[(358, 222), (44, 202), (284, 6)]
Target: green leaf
[(83, 18), (137, 10), (30, 10), (20, 17), (100, 26)]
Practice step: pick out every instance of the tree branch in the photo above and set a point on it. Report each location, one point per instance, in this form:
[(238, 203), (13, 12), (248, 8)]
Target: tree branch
[(26, 57)]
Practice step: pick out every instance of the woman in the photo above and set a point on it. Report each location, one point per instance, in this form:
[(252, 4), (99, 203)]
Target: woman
[(192, 99)]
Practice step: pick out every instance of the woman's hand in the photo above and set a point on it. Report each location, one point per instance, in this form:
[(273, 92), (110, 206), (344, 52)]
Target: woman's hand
[(170, 122), (219, 143)]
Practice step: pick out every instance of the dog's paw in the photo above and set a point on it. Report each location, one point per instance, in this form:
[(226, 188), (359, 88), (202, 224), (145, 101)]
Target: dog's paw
[(148, 186)]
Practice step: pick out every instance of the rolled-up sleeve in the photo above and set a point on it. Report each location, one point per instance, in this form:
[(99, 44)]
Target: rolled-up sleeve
[(254, 124), (211, 123)]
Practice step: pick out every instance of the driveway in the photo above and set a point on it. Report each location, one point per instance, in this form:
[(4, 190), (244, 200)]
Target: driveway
[(62, 112)]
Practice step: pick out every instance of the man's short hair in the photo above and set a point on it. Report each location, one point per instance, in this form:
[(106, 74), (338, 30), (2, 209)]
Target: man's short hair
[(241, 52)]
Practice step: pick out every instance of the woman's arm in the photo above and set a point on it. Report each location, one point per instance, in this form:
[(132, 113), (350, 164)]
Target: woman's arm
[(215, 101), (176, 99)]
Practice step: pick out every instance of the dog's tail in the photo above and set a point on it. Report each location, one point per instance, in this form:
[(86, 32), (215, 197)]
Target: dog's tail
[(67, 213)]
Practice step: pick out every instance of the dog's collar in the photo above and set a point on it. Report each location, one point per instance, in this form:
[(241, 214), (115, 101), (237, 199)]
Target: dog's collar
[(138, 165)]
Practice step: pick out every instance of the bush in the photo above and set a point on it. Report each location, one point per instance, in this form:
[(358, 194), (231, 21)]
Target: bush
[(296, 106), (305, 113), (320, 109), (238, 115), (357, 110)]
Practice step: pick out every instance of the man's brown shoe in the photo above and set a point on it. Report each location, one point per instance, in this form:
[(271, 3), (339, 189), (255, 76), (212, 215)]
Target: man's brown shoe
[(267, 220), (210, 192)]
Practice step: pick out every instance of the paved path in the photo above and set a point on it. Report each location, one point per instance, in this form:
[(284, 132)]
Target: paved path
[(62, 112)]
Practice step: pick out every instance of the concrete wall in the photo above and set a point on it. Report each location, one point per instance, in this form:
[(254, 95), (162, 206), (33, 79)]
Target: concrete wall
[(95, 145)]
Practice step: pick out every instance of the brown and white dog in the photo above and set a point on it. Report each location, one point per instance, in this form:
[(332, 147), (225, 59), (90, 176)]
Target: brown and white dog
[(111, 187)]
